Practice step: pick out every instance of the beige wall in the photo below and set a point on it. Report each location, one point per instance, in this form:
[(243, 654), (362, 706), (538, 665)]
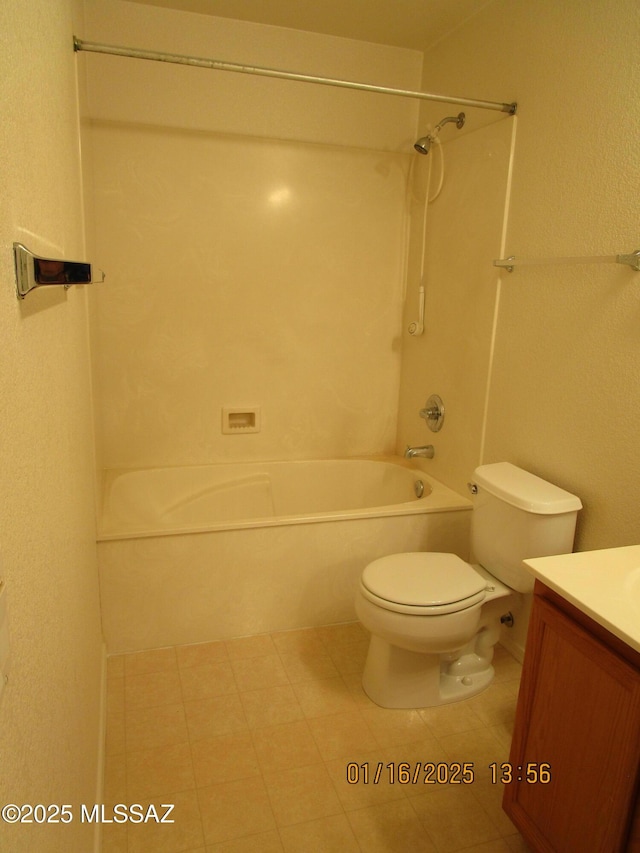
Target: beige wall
[(564, 396), (254, 235), (50, 710)]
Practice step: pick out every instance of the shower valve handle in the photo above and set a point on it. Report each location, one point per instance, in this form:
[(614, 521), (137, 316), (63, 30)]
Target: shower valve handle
[(433, 413), (430, 414)]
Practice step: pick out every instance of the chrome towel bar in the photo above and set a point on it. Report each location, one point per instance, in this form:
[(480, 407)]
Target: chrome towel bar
[(34, 271)]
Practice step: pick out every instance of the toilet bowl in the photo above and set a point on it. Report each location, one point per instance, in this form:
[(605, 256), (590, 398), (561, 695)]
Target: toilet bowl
[(435, 619)]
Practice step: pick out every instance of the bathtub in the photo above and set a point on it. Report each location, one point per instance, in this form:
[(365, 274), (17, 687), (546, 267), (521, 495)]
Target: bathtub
[(211, 552)]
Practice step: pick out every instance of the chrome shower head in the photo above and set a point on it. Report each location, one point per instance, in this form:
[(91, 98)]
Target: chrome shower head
[(423, 145)]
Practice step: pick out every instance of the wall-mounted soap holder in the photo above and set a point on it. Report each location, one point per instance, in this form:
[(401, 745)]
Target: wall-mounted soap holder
[(34, 271), (236, 419)]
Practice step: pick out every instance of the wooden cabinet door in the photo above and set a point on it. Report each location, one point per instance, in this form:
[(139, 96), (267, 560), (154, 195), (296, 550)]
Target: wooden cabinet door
[(578, 712)]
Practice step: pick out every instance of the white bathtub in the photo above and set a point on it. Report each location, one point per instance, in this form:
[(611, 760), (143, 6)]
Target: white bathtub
[(202, 553)]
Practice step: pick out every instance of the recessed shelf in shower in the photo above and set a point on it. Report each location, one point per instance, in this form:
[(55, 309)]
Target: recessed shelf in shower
[(237, 419)]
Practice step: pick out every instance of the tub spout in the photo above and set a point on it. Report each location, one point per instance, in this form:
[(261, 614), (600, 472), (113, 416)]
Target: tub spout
[(425, 452)]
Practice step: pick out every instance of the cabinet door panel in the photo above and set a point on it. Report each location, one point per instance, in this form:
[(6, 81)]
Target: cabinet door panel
[(579, 712)]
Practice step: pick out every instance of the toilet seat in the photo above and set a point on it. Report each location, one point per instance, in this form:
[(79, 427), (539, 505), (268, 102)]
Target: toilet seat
[(425, 584)]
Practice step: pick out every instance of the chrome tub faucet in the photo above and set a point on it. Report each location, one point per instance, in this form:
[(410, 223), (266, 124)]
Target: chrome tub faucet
[(426, 452)]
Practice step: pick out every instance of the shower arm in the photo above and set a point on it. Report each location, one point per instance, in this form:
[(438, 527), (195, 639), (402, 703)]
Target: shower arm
[(459, 120), (423, 144)]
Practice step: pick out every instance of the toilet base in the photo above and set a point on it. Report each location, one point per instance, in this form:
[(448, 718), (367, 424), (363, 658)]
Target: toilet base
[(399, 678)]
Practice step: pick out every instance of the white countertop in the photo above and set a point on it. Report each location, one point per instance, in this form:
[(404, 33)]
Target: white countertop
[(603, 584)]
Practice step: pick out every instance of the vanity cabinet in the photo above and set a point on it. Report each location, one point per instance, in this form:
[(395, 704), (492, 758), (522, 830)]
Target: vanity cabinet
[(575, 753)]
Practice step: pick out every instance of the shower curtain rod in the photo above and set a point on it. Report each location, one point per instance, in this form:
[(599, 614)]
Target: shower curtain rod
[(220, 65)]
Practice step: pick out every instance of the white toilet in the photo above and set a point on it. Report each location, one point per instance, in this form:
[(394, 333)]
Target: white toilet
[(434, 619)]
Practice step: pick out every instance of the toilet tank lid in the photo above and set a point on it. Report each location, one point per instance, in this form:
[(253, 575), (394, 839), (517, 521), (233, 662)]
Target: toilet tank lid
[(524, 490)]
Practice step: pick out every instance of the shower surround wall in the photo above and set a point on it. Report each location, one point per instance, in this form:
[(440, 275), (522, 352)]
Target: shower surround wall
[(254, 235), (464, 227)]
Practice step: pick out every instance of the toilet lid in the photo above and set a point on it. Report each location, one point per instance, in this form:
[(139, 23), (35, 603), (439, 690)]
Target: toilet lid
[(422, 579)]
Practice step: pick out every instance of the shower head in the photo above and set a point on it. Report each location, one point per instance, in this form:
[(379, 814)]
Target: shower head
[(423, 145)]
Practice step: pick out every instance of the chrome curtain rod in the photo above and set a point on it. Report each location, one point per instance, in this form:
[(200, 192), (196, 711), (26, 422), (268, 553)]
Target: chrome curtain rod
[(220, 65)]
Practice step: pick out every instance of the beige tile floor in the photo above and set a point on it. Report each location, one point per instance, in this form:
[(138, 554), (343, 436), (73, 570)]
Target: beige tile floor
[(250, 740)]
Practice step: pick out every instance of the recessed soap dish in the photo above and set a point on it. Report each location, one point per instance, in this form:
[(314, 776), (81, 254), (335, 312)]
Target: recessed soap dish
[(237, 419)]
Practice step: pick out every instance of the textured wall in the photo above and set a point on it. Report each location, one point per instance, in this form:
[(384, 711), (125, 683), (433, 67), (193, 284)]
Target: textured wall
[(565, 392), (49, 714)]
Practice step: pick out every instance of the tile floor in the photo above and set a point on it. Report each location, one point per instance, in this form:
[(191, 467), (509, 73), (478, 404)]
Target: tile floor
[(250, 739)]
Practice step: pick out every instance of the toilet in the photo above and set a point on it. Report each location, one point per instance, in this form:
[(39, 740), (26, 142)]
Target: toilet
[(434, 618)]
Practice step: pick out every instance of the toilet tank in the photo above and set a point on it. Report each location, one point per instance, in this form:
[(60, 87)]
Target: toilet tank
[(517, 516)]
